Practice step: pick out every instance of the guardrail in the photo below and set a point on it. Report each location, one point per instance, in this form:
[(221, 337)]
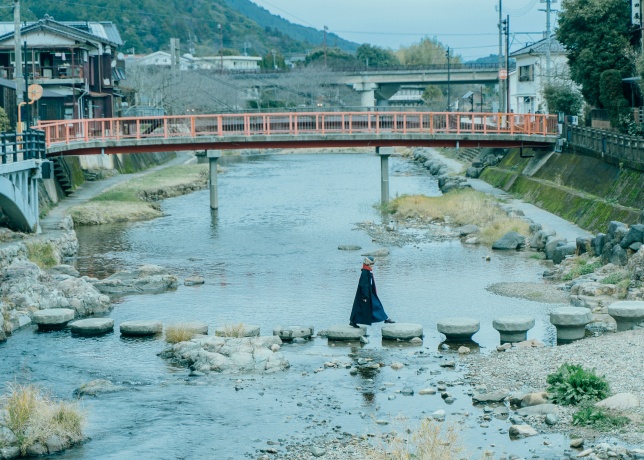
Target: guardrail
[(612, 147), (29, 145), (297, 124)]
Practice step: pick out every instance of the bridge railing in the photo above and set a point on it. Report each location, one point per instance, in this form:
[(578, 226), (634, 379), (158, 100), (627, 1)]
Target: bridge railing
[(295, 124), (29, 145)]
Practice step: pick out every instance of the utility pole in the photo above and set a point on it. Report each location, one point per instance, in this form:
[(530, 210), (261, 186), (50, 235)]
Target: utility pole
[(274, 64), (507, 64), (18, 55), (325, 31), (449, 80), (501, 82), (221, 46), (548, 10)]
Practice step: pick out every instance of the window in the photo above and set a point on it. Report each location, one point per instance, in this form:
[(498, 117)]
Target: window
[(526, 73)]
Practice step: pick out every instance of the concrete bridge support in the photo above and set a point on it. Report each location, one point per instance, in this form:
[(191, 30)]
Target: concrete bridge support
[(367, 94), (213, 156), (19, 194), (384, 153)]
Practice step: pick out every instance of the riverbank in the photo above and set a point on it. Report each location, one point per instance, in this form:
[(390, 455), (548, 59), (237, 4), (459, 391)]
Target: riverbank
[(313, 405)]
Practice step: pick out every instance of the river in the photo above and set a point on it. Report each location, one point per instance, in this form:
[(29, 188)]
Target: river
[(270, 257)]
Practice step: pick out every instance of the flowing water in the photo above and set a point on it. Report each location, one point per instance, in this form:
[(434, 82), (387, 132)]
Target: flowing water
[(270, 257)]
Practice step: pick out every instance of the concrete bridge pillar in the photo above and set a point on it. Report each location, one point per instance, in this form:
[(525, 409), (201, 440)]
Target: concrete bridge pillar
[(367, 93), (213, 156), (384, 153)]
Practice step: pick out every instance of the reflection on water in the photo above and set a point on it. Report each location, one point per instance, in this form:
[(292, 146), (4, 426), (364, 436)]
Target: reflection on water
[(270, 257)]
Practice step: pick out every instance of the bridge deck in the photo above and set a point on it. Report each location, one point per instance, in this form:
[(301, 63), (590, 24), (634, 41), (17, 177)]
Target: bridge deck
[(252, 130)]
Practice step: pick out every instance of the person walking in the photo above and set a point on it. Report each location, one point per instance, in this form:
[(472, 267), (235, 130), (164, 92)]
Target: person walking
[(367, 308)]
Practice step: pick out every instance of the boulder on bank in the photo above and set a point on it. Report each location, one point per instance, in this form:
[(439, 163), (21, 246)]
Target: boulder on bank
[(148, 279), (26, 287), (229, 355), (509, 241)]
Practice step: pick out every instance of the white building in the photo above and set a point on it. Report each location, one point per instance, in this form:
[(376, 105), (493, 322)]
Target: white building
[(189, 62), (529, 78)]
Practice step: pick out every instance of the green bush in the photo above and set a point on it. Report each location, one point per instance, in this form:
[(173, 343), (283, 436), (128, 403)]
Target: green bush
[(582, 268), (599, 418), (572, 384)]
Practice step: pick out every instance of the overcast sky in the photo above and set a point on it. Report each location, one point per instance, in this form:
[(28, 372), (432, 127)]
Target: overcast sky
[(467, 26)]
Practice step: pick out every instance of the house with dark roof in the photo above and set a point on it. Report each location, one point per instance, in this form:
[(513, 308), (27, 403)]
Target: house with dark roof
[(77, 64), (528, 79)]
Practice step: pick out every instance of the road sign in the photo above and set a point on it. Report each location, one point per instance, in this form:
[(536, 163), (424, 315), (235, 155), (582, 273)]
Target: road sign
[(503, 74)]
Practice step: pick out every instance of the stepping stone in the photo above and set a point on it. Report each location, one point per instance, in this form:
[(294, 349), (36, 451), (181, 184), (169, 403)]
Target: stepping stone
[(245, 330), (92, 326), (401, 331), (53, 318), (141, 328), (197, 327), (194, 281), (346, 332), (458, 329), (627, 313), (293, 332), (570, 323), (513, 328)]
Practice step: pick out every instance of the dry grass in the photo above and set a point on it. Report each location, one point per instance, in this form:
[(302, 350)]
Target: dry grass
[(112, 211), (176, 333), (233, 330), (34, 417), (42, 253), (125, 202), (431, 441), (458, 208)]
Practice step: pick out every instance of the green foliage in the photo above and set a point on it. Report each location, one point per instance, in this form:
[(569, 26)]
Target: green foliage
[(429, 51), (583, 267), (562, 97), (597, 35), (273, 60), (374, 56), (611, 95), (615, 277), (598, 417), (42, 254), (335, 57), (4, 121), (148, 25), (434, 98), (572, 384)]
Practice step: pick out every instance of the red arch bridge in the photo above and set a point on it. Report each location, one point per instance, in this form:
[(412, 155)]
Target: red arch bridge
[(214, 133)]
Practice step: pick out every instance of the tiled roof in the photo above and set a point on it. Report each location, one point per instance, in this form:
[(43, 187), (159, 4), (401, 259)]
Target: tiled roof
[(541, 47), (104, 31)]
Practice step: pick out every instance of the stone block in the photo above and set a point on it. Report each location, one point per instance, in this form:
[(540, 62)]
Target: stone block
[(458, 329), (401, 331), (141, 328), (627, 313), (293, 332), (513, 328), (345, 332), (92, 326), (570, 323), (53, 318)]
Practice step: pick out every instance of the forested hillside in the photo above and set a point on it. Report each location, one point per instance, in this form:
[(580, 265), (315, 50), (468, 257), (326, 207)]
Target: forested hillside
[(148, 25)]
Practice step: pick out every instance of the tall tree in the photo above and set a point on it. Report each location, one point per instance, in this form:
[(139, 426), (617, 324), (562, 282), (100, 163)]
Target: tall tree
[(374, 56), (428, 52), (597, 35)]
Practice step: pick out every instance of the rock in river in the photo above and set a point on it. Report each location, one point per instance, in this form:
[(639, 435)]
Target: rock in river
[(148, 279)]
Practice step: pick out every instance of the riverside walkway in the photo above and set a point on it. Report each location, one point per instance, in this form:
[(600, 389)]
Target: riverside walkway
[(298, 130)]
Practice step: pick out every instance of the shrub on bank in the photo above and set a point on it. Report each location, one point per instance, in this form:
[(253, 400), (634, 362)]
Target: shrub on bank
[(599, 418), (460, 207), (572, 385), (42, 254), (233, 330), (431, 441), (33, 417), (176, 333)]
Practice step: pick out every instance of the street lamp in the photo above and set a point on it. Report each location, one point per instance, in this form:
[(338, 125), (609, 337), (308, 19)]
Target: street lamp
[(221, 46), (449, 79)]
